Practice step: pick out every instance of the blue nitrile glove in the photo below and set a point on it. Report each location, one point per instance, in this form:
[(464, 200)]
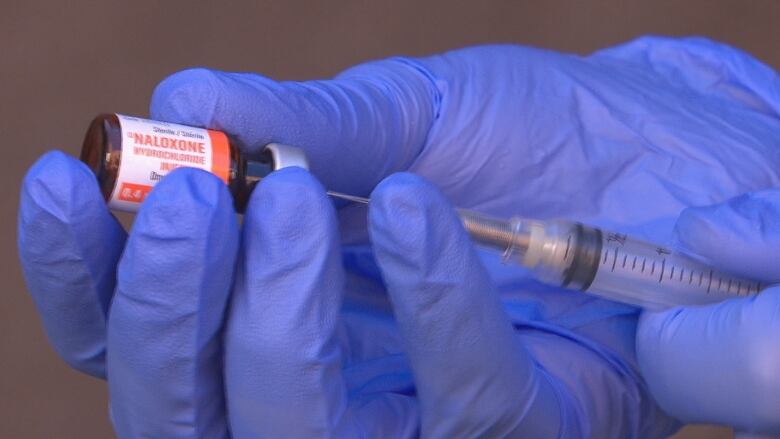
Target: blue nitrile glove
[(721, 363), (626, 139)]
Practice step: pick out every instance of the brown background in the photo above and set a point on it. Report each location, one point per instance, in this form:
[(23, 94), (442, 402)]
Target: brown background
[(61, 62)]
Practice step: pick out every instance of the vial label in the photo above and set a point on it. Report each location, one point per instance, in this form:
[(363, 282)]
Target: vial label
[(151, 149)]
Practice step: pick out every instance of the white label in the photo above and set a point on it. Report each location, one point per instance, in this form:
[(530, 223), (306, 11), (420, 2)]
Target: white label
[(152, 149)]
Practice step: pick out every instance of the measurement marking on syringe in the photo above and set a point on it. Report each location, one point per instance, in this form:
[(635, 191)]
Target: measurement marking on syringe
[(663, 268), (682, 270), (625, 258), (671, 275), (606, 255), (709, 287), (690, 281), (652, 270), (633, 266), (644, 261), (614, 260)]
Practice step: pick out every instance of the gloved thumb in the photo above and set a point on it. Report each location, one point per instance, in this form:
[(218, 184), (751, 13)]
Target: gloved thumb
[(368, 122), (721, 363), (741, 236)]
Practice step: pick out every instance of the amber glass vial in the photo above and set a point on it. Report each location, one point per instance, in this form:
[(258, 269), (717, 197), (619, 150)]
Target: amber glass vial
[(129, 155)]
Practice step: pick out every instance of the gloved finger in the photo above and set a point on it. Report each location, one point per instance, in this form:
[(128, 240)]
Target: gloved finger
[(721, 363), (69, 245), (282, 358), (473, 378), (716, 364), (164, 350), (370, 121), (741, 236)]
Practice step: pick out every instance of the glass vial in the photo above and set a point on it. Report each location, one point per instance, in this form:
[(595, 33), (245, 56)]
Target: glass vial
[(129, 155)]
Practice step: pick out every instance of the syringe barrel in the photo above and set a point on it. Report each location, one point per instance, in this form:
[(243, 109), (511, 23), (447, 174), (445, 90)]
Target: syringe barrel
[(617, 267), (654, 277)]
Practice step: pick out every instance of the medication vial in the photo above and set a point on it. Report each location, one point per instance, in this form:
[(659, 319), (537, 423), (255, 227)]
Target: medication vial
[(129, 155)]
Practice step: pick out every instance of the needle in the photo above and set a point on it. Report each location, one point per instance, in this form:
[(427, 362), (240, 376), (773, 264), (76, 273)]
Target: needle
[(356, 199), (484, 230)]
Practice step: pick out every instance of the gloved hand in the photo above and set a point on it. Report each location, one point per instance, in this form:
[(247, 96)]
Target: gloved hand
[(626, 138), (721, 363)]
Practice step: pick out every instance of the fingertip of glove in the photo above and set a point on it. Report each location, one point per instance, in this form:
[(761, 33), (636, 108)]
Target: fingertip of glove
[(737, 234), (188, 97), (410, 215), (291, 178), (292, 198), (745, 214), (59, 185), (688, 228), (191, 187), (186, 193), (406, 193)]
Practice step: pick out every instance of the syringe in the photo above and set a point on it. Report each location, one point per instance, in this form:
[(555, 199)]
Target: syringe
[(607, 264)]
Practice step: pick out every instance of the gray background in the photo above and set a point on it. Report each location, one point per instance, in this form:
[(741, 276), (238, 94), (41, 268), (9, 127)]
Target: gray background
[(61, 62)]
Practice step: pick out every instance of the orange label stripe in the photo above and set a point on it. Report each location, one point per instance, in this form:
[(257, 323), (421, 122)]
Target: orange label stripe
[(220, 155), (134, 193)]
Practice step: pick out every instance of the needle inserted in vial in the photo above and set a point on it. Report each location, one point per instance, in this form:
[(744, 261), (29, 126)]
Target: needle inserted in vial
[(129, 155)]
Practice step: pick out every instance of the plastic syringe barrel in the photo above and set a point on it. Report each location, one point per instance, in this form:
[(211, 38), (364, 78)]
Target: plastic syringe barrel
[(651, 276), (610, 265)]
